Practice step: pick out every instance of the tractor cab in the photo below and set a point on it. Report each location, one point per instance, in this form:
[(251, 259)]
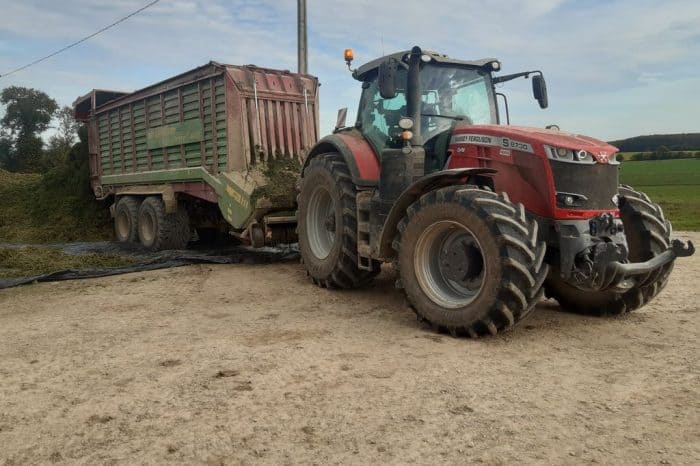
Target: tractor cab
[(449, 93)]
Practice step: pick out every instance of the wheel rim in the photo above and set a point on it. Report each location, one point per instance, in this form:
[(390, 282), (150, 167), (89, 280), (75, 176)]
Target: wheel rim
[(449, 264), (123, 225), (320, 222), (147, 228)]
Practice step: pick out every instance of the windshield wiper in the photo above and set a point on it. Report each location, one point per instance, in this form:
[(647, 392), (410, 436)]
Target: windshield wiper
[(451, 117)]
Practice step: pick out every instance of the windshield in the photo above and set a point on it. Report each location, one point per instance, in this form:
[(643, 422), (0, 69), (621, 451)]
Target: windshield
[(449, 93), (457, 92)]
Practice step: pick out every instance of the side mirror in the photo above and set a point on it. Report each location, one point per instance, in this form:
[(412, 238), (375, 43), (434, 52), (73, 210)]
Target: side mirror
[(387, 78), (539, 90)]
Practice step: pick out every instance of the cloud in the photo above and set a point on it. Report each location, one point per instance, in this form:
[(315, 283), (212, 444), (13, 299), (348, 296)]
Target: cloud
[(597, 55)]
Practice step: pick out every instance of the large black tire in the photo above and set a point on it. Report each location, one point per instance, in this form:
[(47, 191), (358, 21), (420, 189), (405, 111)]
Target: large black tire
[(327, 225), (504, 268), (126, 214), (158, 230), (648, 234)]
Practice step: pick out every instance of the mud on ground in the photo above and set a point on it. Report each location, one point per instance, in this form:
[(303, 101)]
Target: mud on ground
[(252, 364)]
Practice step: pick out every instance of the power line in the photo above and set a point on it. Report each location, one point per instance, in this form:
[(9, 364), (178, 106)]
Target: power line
[(81, 40)]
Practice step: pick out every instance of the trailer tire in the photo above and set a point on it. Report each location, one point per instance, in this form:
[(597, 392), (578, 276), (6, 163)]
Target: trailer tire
[(327, 225), (159, 230), (126, 214), (648, 234), (470, 261)]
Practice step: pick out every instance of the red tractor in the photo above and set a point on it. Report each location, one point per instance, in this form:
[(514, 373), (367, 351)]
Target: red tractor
[(480, 219)]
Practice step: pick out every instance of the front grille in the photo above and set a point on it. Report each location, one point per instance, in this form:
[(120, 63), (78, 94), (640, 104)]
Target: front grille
[(598, 182)]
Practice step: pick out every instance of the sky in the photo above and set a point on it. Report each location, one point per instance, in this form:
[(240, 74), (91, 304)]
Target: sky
[(614, 69)]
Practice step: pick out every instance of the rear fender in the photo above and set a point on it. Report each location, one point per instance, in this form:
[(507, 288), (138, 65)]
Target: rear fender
[(420, 187), (358, 154)]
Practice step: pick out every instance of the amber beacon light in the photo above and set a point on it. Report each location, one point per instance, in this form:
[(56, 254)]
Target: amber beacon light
[(349, 56)]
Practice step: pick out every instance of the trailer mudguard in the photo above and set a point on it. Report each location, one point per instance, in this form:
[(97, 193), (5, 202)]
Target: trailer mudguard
[(357, 153), (413, 193)]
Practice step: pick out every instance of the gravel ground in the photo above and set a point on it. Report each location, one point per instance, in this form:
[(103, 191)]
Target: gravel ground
[(252, 364)]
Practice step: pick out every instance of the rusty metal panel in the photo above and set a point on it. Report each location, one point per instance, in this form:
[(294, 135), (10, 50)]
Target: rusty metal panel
[(281, 111)]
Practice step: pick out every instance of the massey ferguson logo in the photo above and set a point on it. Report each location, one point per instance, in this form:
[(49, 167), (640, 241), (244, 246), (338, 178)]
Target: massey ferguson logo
[(505, 144), (603, 156)]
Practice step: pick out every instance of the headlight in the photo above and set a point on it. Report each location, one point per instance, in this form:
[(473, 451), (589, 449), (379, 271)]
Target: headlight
[(405, 123), (567, 155)]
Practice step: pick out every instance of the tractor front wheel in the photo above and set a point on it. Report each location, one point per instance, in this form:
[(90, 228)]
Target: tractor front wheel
[(469, 260), (648, 234)]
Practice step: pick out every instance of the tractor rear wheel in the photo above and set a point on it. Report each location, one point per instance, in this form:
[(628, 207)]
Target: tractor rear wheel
[(126, 214), (469, 260), (648, 234), (327, 225), (159, 230)]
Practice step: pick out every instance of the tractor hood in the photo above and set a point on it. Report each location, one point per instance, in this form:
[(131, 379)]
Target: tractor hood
[(527, 139)]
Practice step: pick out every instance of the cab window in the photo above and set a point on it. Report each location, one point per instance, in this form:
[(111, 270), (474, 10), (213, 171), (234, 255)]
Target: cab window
[(378, 118)]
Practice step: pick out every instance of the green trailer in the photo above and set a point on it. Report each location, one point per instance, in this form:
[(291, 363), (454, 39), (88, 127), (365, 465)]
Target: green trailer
[(189, 155)]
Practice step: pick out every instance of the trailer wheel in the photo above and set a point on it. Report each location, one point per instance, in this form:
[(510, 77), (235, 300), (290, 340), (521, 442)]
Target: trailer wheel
[(327, 225), (158, 230), (126, 214), (648, 233), (469, 260)]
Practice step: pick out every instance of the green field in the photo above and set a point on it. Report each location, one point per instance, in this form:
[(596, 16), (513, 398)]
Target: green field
[(675, 184)]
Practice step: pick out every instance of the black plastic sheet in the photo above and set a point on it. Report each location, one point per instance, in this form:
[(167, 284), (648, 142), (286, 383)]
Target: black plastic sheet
[(146, 260)]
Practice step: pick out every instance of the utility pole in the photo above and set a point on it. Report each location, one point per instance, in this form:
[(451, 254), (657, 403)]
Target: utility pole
[(302, 50)]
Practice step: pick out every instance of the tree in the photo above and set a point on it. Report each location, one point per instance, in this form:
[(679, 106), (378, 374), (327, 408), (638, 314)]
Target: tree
[(66, 126), (61, 143), (5, 150), (662, 152), (28, 113)]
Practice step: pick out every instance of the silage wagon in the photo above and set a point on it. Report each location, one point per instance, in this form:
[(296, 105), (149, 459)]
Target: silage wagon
[(188, 154)]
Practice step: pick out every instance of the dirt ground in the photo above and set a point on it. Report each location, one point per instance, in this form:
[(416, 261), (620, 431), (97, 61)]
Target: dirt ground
[(252, 364)]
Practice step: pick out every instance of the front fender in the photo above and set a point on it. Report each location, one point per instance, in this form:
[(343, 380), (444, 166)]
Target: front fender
[(411, 194), (357, 153)]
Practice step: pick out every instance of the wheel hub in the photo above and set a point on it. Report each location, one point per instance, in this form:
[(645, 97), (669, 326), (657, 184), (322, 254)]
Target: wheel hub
[(123, 225), (449, 264), (320, 222), (330, 222), (461, 261)]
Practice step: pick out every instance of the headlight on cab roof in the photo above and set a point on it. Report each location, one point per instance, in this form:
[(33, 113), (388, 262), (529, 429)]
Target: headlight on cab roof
[(562, 154)]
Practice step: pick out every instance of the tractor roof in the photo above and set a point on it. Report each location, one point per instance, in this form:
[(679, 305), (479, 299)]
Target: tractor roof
[(363, 71)]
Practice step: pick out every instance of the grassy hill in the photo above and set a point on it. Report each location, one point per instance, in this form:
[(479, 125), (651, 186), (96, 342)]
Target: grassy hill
[(653, 142), (55, 207), (43, 209), (49, 209)]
